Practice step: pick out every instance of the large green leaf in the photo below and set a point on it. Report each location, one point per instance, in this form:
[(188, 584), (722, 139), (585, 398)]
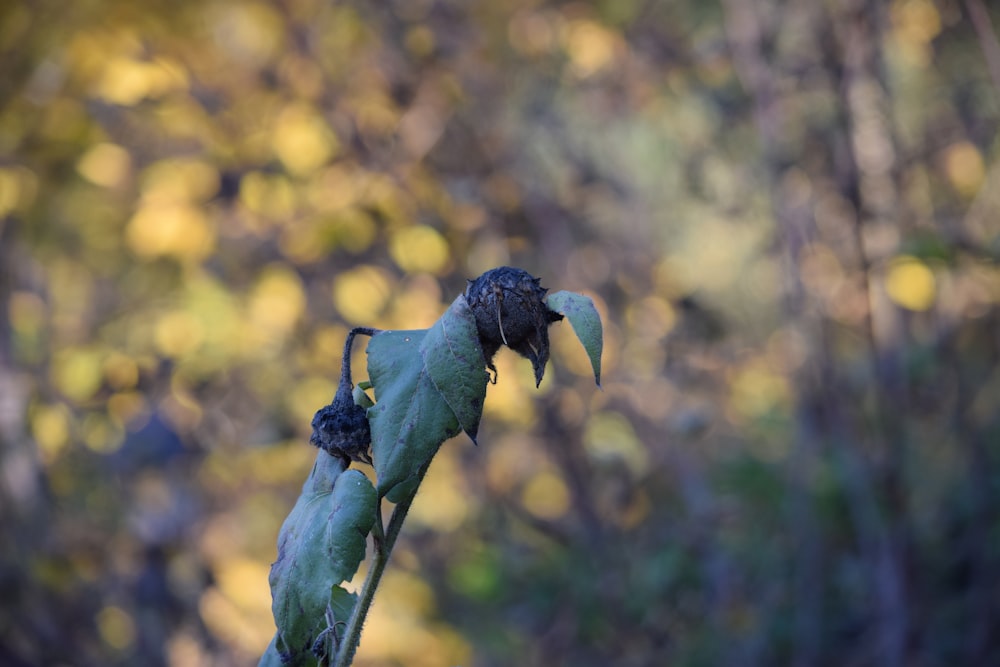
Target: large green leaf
[(321, 545), (429, 386), (582, 314), (455, 362)]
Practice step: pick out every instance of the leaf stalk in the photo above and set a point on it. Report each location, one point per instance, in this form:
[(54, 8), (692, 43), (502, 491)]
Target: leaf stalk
[(383, 542)]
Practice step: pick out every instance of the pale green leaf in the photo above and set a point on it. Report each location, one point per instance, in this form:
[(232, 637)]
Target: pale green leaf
[(454, 359), (582, 314), (321, 545), (429, 386)]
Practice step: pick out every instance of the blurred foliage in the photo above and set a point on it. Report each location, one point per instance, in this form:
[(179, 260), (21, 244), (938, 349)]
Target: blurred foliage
[(786, 212)]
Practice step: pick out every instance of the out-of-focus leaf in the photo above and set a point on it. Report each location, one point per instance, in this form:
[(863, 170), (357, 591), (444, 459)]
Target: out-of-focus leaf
[(321, 545), (582, 314), (429, 386)]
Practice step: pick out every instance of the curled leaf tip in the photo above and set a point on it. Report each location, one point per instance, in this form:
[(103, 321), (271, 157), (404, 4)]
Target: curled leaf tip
[(586, 322)]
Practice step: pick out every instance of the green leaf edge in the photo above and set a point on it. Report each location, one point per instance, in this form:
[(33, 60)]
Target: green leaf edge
[(586, 322)]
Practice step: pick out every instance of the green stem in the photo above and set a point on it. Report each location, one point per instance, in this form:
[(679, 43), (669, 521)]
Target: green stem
[(384, 542)]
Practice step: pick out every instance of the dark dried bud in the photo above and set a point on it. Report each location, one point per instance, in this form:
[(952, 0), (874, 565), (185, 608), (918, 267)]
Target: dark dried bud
[(341, 428), (509, 305)]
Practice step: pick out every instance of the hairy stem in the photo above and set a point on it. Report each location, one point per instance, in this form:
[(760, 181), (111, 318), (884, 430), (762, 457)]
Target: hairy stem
[(384, 541), (345, 365)]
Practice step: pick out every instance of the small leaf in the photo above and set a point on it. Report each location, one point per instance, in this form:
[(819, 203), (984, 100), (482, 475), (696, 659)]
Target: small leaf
[(321, 545), (360, 397), (582, 314), (429, 386)]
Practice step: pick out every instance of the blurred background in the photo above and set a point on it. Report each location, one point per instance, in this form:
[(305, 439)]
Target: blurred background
[(787, 212)]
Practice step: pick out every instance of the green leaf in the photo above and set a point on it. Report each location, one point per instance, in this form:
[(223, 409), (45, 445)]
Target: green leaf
[(582, 314), (429, 386), (455, 361), (271, 657), (359, 395), (321, 545)]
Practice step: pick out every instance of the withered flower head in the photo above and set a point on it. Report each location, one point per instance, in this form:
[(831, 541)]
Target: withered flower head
[(509, 305), (341, 428)]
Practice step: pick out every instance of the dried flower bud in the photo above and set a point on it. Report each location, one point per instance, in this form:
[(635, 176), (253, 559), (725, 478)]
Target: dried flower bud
[(509, 305), (341, 428)]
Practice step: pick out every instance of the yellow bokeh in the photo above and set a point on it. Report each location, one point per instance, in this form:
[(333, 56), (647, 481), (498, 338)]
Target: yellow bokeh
[(127, 82), (963, 164), (361, 294), (184, 649), (178, 333), (335, 187), (419, 248), (398, 630), (419, 41), (911, 284), (590, 46), (375, 112), (302, 140), (101, 434), (50, 427), (106, 165), (179, 181), (250, 32), (126, 407), (326, 346), (308, 395), (916, 22), (116, 627), (757, 390), (244, 582), (354, 230), (182, 117), (304, 242), (443, 502), (76, 372), (277, 302), (177, 230), (311, 240), (417, 303), (249, 630), (271, 196), (509, 399), (223, 323), (610, 435), (386, 196), (121, 371), (546, 495), (18, 186)]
